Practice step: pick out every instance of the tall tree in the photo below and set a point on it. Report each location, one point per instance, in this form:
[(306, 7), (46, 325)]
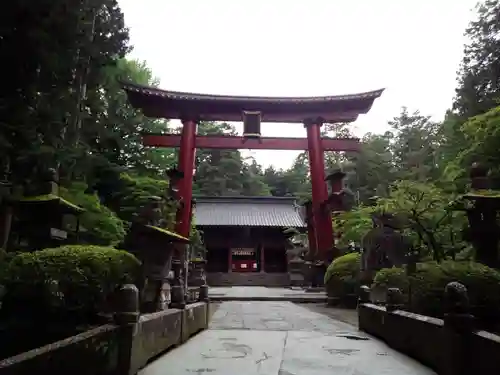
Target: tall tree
[(372, 170), (479, 76), (415, 146), (115, 135), (57, 51)]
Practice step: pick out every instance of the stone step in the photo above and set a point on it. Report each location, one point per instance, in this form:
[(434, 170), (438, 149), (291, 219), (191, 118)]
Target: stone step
[(248, 279), (289, 298)]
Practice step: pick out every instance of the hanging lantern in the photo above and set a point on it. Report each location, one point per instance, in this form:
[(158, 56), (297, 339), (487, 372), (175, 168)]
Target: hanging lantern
[(251, 124)]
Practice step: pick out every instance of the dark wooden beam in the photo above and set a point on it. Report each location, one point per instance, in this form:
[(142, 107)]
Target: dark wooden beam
[(263, 143)]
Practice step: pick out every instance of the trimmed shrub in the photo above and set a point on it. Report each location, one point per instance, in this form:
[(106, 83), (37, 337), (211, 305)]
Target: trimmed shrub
[(343, 275), (428, 283), (72, 279), (98, 224)]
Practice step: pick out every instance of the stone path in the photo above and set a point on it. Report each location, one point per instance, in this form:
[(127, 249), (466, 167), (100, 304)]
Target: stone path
[(281, 338)]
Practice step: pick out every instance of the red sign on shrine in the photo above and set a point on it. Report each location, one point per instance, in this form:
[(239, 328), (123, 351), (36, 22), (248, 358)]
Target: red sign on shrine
[(243, 252)]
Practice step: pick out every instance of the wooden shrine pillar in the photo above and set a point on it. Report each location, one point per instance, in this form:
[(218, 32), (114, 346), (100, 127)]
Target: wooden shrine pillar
[(262, 259), (185, 185), (322, 220)]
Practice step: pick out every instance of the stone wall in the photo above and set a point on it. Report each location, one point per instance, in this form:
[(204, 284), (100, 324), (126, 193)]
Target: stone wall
[(248, 279), (449, 346), (112, 349)]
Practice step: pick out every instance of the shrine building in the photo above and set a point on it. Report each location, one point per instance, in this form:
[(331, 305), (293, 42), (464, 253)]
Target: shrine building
[(245, 238)]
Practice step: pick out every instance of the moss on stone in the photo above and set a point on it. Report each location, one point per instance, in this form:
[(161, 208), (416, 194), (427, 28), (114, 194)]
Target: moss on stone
[(172, 235), (51, 198)]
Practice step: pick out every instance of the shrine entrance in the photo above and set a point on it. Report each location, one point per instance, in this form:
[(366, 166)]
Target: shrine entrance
[(312, 112), (246, 237), (244, 260)]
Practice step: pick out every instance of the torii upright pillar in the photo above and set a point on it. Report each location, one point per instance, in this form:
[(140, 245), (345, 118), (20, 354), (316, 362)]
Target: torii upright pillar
[(321, 218), (187, 153)]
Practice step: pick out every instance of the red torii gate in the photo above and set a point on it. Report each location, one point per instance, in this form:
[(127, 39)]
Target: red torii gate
[(311, 111)]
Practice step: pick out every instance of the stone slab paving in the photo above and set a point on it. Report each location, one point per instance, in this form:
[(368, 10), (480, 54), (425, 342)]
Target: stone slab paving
[(281, 338)]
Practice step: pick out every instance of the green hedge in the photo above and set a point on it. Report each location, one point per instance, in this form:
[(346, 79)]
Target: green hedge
[(430, 279), (69, 279), (343, 275)]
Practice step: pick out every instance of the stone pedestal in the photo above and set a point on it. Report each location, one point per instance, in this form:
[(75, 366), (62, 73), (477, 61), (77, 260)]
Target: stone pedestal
[(319, 270), (177, 288), (295, 272), (197, 278), (197, 273), (307, 271)]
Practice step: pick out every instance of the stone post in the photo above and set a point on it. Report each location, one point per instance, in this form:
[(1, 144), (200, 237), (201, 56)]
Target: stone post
[(394, 299), (364, 294), (127, 305), (458, 328), (126, 317), (364, 297)]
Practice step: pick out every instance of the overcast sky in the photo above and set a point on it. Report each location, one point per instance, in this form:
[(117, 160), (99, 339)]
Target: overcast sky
[(297, 48)]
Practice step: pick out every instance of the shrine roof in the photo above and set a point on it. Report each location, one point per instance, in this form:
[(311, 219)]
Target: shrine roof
[(282, 212), (173, 104)]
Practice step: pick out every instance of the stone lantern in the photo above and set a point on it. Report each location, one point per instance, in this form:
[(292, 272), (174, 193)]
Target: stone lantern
[(154, 247), (174, 176), (482, 205), (197, 279), (39, 215), (335, 181)]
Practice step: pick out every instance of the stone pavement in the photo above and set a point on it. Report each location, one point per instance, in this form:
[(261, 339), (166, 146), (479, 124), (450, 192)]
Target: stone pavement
[(281, 338), (261, 293)]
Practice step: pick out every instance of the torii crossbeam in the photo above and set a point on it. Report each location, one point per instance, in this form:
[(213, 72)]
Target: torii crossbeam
[(262, 143), (310, 111)]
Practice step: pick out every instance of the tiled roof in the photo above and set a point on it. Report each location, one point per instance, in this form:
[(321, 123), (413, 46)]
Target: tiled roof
[(248, 211), (158, 103), (154, 91)]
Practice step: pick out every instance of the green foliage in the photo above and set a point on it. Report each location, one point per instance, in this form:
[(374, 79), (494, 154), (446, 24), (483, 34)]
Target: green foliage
[(342, 277), (370, 172), (62, 59), (79, 279), (135, 192), (425, 209), (482, 134), (291, 182), (430, 279), (117, 138), (98, 224), (353, 224)]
